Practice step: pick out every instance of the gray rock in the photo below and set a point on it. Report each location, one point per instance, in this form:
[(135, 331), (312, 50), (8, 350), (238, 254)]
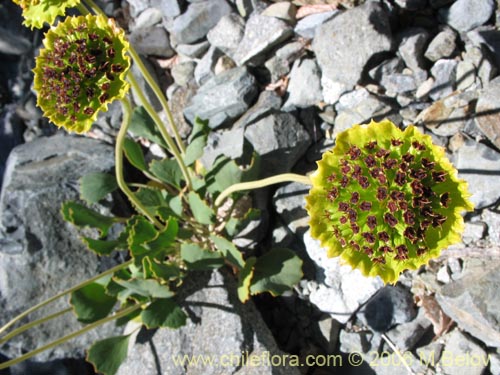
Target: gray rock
[(197, 20), (342, 290), (280, 140), (223, 97), (220, 328), (227, 34), (407, 334), (146, 90), (391, 305), (169, 8), (465, 15), (487, 112), (494, 359), (183, 73), (466, 75), (398, 84), (306, 27), (289, 202), (247, 7), (137, 6), (151, 40), (10, 135), (386, 68), (35, 241), (279, 64), (492, 219), (371, 106), (228, 143), (480, 57), (475, 231), (461, 356), (268, 102), (473, 300), (205, 69), (357, 35), (148, 18), (412, 4), (412, 47), (12, 44), (364, 343), (261, 34), (439, 3), (488, 41), (478, 165), (444, 73), (193, 50), (304, 86), (442, 45), (283, 10)]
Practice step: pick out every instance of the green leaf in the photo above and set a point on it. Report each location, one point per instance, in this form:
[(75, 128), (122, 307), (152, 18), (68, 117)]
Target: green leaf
[(245, 279), (202, 213), (229, 250), (134, 154), (235, 225), (163, 313), (91, 303), (225, 172), (197, 141), (197, 258), (165, 271), (146, 288), (176, 206), (168, 171), (82, 216), (95, 186), (103, 247), (107, 355), (276, 272), (151, 198), (142, 125)]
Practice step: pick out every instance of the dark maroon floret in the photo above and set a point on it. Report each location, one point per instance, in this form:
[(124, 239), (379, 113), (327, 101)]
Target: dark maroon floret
[(390, 219), (445, 199), (365, 206), (383, 236), (385, 249), (332, 194), (370, 161), (396, 142), (371, 145), (392, 206), (419, 146), (343, 206), (332, 177), (363, 182), (389, 163), (379, 260), (439, 176), (409, 217), (403, 205), (354, 152), (419, 174), (345, 169), (427, 163), (397, 195), (371, 221), (369, 237), (355, 197), (382, 153), (410, 234), (343, 219), (368, 250), (353, 215), (381, 193), (355, 228), (344, 181), (354, 245), (408, 157), (438, 220), (400, 178), (417, 187)]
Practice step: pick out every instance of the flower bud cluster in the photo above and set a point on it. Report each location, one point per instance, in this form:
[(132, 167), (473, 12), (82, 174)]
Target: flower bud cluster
[(81, 70), (386, 200)]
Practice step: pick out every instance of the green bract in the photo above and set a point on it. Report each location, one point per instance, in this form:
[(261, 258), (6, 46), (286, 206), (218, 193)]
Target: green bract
[(81, 70), (37, 12), (386, 200)]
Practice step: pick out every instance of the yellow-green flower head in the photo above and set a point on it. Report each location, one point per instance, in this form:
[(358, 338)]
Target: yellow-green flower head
[(386, 200), (37, 12), (81, 70)]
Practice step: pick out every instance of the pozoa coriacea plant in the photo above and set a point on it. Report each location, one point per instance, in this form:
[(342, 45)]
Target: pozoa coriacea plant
[(383, 199), (386, 200)]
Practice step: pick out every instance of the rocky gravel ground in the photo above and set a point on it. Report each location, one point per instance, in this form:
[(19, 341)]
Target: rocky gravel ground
[(283, 79)]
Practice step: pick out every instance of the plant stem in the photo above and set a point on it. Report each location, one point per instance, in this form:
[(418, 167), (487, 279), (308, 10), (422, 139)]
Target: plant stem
[(151, 82), (285, 177), (170, 143), (62, 294), (120, 140), (63, 339), (27, 326)]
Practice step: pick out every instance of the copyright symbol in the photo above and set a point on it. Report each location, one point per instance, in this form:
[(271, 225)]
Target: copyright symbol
[(355, 359)]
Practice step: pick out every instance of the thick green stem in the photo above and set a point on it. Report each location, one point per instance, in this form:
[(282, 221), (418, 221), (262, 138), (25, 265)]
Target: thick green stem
[(170, 143), (151, 82), (27, 326), (285, 177), (62, 294), (63, 339), (120, 140)]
